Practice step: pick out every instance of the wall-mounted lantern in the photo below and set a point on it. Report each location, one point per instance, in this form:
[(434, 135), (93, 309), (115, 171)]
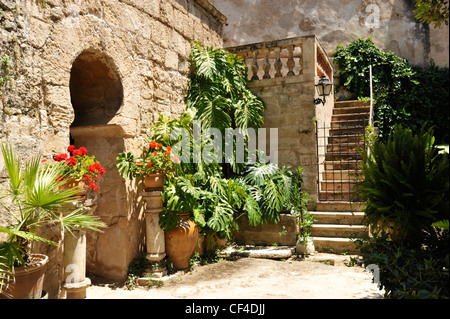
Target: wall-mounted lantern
[(324, 88)]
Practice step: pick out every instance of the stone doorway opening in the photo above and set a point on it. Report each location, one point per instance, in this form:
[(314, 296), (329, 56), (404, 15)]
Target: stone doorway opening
[(97, 96)]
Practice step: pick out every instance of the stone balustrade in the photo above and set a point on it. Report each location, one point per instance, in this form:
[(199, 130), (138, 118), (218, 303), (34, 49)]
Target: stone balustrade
[(282, 58)]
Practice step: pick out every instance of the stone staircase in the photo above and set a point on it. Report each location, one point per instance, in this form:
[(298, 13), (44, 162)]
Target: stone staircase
[(338, 212)]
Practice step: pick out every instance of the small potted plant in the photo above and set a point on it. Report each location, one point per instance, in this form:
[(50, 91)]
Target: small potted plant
[(80, 170), (35, 199), (155, 163)]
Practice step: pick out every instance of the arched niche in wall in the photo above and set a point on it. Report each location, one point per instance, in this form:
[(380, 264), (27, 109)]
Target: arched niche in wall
[(95, 88), (97, 96)]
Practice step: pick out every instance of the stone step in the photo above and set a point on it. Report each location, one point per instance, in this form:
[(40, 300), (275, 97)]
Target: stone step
[(339, 206), (345, 147), (353, 103), (337, 196), (336, 230), (352, 116), (346, 138), (341, 175), (338, 186), (342, 165), (351, 110), (334, 156), (268, 252), (334, 245), (349, 124), (339, 218)]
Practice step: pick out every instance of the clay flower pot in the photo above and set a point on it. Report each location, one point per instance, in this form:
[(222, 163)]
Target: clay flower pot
[(28, 280), (154, 181), (82, 188), (181, 242)]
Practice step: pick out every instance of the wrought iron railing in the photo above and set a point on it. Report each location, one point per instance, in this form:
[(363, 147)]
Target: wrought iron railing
[(339, 149)]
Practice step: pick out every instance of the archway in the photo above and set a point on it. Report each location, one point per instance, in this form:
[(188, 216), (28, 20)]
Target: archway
[(95, 88), (97, 96)]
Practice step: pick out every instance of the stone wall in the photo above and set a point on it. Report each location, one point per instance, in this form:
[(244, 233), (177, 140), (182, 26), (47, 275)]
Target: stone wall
[(97, 73), (390, 23)]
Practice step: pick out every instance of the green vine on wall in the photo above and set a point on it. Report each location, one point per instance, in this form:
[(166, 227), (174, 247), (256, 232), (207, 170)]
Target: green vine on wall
[(403, 93)]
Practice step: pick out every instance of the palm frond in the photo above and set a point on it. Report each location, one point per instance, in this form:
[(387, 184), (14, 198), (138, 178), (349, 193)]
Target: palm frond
[(26, 235), (79, 219), (12, 163)]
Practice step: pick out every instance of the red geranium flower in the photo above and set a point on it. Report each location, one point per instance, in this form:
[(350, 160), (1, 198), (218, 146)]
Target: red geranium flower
[(149, 164), (169, 148), (83, 151), (155, 153), (153, 144), (70, 148), (71, 161)]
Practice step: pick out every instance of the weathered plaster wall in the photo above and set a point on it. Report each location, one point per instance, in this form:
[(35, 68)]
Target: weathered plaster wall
[(146, 44), (390, 23)]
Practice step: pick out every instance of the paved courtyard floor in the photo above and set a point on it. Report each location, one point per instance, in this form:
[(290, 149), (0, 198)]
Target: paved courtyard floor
[(322, 276)]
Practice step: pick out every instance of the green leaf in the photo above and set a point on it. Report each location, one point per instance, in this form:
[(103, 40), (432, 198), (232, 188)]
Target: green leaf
[(26, 235)]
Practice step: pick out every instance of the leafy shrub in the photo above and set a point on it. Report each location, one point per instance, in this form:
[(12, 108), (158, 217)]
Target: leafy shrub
[(405, 184), (409, 273)]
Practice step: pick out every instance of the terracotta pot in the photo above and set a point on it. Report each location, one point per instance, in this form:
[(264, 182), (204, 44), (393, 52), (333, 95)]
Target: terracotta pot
[(28, 280), (154, 181), (200, 247), (82, 188), (213, 242), (181, 242)]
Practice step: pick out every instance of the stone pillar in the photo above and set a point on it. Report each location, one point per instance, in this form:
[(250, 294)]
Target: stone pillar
[(156, 248), (74, 261)]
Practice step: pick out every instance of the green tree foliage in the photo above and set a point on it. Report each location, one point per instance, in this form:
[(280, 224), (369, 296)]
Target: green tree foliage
[(433, 12)]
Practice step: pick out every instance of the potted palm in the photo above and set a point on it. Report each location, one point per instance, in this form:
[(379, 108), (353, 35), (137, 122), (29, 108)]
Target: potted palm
[(34, 198)]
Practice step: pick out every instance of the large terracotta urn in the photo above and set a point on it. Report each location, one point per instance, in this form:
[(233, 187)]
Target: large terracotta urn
[(181, 242)]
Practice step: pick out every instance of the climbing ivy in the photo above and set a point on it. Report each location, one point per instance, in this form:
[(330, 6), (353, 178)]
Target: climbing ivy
[(403, 93)]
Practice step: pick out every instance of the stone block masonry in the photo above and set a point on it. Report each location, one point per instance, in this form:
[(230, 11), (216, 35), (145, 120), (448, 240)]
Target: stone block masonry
[(97, 73)]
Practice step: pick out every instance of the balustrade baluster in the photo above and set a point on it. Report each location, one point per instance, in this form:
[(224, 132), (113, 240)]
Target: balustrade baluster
[(255, 67), (300, 60), (266, 65), (291, 62), (278, 65)]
